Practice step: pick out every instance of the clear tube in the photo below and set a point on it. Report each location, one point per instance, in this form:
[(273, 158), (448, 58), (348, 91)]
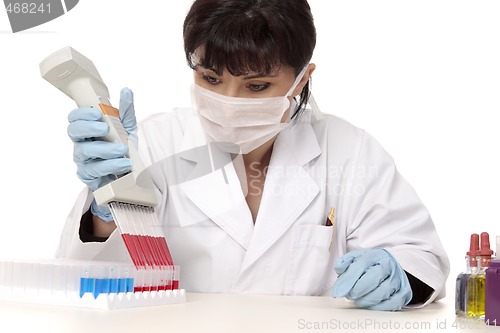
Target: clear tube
[(461, 289)]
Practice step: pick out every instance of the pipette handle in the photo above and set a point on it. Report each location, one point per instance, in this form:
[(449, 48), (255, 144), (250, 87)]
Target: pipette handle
[(77, 77), (111, 116)]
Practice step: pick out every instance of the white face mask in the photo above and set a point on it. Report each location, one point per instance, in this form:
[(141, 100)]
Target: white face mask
[(245, 122)]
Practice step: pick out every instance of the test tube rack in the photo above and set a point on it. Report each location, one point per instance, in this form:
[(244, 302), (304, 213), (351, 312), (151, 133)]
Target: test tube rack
[(88, 284)]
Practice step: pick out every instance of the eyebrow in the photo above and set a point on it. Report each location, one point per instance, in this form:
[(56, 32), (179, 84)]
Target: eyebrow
[(258, 76), (210, 69), (248, 77)]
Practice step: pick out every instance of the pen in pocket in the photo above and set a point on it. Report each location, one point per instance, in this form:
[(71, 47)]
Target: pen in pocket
[(330, 219), (330, 222)]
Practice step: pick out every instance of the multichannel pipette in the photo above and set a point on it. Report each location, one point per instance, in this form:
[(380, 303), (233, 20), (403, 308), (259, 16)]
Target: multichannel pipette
[(77, 77), (130, 197)]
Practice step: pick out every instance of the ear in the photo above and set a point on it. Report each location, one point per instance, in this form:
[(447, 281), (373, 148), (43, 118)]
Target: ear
[(307, 75)]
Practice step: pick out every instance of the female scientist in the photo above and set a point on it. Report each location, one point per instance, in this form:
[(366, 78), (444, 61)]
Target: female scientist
[(258, 222)]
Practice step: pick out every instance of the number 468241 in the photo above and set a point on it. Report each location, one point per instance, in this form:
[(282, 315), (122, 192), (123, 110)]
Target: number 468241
[(27, 8)]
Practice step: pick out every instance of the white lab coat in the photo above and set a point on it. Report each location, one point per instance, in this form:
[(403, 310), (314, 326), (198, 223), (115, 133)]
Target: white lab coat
[(319, 163)]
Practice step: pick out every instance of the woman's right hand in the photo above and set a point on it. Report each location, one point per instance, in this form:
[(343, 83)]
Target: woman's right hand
[(100, 162)]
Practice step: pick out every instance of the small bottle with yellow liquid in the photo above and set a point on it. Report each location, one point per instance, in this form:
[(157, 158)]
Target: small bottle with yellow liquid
[(476, 285)]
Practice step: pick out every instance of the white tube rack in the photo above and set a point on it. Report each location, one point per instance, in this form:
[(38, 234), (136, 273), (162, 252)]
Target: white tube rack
[(103, 301), (62, 282)]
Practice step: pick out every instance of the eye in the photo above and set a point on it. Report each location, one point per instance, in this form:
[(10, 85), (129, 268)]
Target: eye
[(258, 87), (211, 80)]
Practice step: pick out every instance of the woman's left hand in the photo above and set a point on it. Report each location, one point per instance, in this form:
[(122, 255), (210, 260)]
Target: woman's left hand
[(373, 279)]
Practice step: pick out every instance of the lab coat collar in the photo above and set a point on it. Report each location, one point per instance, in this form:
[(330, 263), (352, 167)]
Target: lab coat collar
[(304, 145), (288, 191), (217, 194), (193, 135)]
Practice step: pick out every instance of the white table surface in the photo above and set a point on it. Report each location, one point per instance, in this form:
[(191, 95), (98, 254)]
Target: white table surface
[(237, 313)]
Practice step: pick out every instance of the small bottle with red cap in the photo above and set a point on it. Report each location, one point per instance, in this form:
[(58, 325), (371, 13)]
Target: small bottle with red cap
[(476, 284)]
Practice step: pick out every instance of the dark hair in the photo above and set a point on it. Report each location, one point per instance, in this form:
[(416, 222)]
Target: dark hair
[(244, 36)]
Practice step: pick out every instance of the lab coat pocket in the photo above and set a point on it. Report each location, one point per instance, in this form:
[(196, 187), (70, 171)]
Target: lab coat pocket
[(310, 256)]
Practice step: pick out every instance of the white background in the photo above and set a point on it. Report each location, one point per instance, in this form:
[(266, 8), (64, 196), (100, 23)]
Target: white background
[(422, 76)]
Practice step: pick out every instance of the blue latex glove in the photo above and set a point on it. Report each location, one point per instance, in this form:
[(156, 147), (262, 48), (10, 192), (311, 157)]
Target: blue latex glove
[(373, 279), (99, 162)]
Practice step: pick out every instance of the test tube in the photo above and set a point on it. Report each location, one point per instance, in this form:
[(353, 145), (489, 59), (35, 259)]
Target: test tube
[(86, 282), (102, 281), (139, 279), (5, 274), (122, 281), (169, 277), (47, 276), (73, 279), (58, 277), (162, 278), (177, 275), (113, 280), (155, 278), (129, 278), (18, 276), (32, 276)]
